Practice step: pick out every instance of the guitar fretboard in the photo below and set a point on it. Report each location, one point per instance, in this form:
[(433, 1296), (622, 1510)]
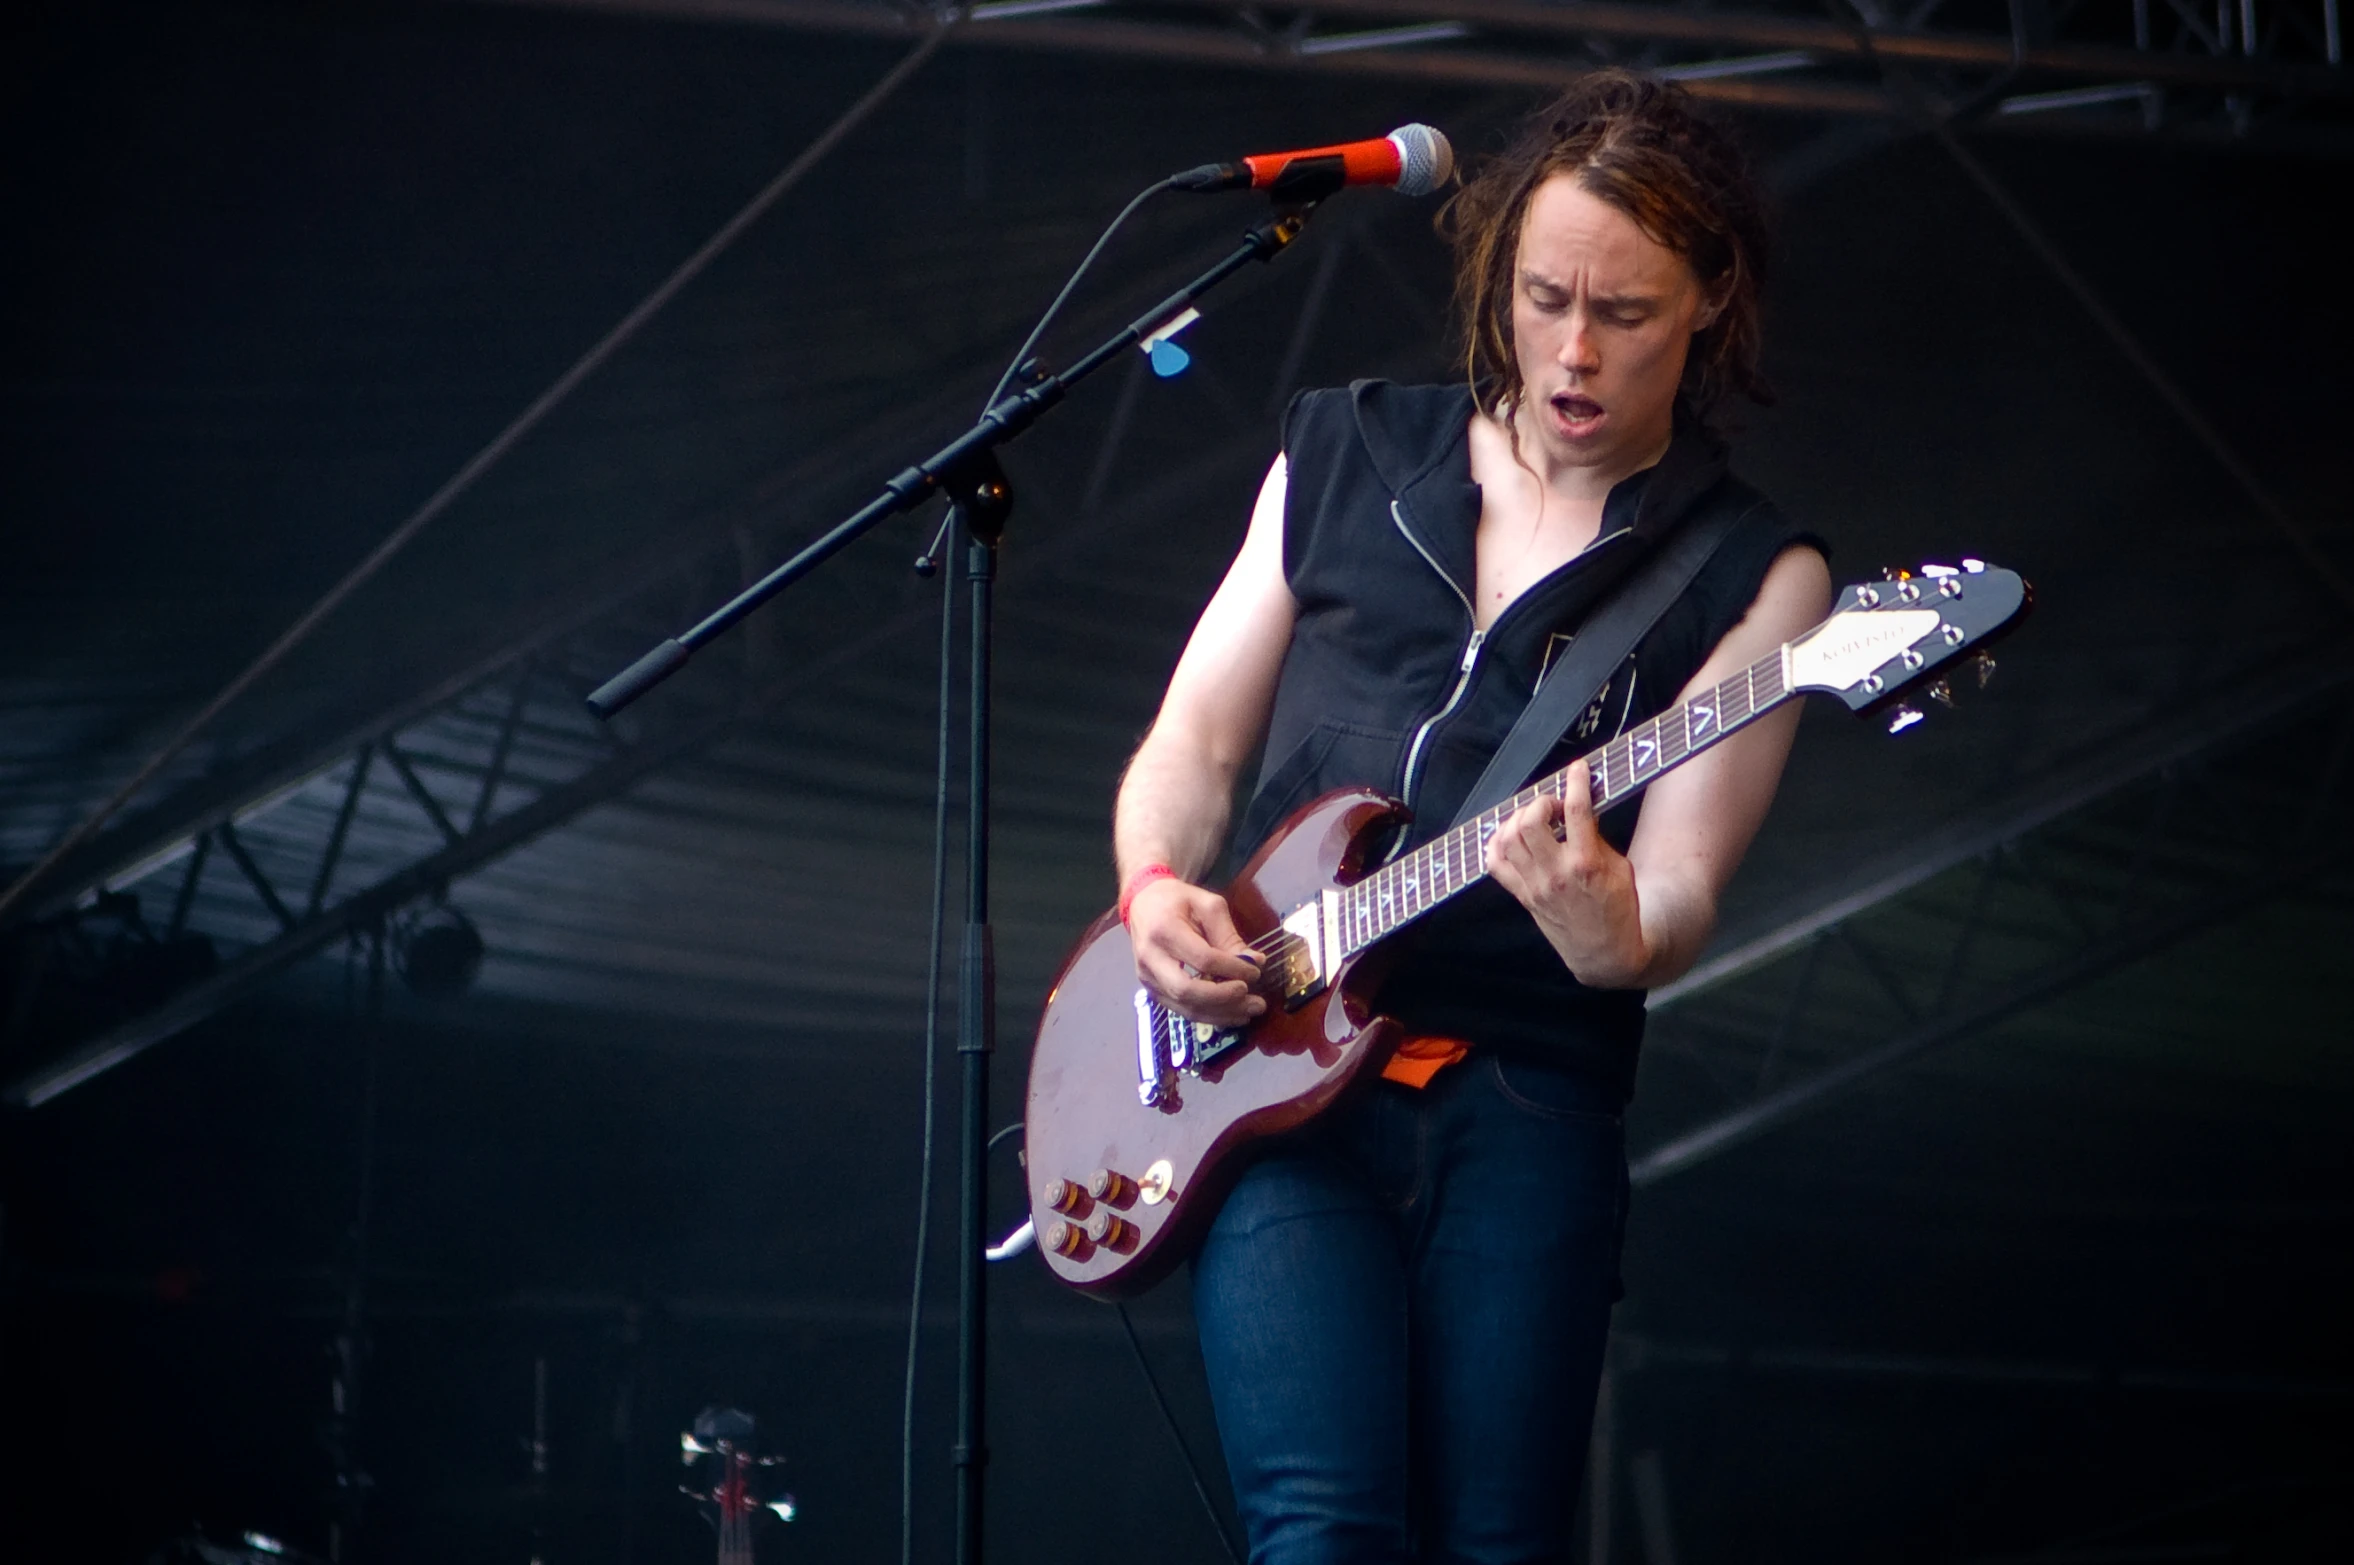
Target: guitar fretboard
[(1407, 887)]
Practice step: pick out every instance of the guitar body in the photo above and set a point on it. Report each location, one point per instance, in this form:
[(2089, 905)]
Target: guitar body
[(1175, 1159)]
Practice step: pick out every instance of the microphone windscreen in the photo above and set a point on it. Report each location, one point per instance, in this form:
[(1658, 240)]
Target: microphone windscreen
[(1425, 160)]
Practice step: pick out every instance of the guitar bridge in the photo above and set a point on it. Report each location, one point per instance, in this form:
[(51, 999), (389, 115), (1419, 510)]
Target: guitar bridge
[(1168, 1045)]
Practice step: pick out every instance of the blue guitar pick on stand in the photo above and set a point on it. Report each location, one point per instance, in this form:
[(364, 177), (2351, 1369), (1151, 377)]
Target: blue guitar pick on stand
[(1168, 359)]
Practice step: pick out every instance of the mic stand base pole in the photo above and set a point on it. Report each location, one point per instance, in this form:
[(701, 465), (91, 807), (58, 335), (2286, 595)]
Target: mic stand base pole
[(983, 502)]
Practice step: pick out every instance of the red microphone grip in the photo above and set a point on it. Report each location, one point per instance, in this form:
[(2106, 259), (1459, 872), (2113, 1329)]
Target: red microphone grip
[(1363, 162)]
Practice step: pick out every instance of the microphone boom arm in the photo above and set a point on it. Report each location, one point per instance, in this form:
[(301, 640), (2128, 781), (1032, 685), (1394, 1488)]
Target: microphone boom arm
[(968, 459)]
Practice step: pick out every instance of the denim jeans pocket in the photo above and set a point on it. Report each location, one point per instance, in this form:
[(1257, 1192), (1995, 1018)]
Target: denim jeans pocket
[(1554, 1094)]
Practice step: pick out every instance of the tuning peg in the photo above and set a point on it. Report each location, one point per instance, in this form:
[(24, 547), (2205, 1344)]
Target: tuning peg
[(1903, 716), (1941, 693), (1983, 662), (1895, 573)]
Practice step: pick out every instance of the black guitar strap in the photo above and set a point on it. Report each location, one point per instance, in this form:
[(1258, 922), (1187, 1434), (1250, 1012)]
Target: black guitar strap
[(1610, 632)]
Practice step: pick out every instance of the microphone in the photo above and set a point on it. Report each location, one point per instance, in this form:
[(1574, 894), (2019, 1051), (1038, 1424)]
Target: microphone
[(1413, 160)]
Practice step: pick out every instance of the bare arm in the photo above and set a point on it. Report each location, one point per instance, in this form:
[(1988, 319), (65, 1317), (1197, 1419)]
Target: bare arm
[(1178, 793), (1639, 920)]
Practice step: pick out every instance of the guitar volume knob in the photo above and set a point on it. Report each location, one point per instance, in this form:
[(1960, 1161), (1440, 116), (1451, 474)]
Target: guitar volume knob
[(1111, 1187), (1063, 1195), (1065, 1238), (1110, 1231)]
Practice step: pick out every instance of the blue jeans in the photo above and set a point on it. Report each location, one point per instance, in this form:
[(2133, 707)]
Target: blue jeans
[(1402, 1309)]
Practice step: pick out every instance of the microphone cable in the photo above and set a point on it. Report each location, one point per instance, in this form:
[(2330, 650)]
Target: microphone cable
[(928, 561)]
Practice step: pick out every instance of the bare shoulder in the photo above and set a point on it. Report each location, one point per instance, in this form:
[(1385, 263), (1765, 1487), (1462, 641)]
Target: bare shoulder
[(1224, 684)]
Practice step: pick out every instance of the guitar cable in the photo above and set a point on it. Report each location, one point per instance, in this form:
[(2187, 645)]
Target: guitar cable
[(1193, 1468)]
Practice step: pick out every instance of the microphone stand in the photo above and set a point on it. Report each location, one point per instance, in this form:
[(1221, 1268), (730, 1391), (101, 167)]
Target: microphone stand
[(966, 471)]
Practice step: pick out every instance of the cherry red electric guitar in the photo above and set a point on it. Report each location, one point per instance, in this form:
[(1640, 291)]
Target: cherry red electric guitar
[(1138, 1118)]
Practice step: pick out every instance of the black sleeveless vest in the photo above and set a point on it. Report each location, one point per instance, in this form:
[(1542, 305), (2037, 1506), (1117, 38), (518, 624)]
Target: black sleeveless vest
[(1387, 685)]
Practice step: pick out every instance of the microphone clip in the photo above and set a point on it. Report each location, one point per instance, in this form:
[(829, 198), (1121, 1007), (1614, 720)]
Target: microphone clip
[(1306, 181), (1301, 182)]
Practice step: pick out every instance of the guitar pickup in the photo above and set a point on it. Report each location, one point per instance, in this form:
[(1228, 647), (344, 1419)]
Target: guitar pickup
[(1300, 958), (1153, 1071)]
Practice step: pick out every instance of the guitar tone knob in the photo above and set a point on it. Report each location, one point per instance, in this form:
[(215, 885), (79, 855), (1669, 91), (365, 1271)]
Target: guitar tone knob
[(1061, 1195), (1110, 1231), (1111, 1187), (1065, 1238)]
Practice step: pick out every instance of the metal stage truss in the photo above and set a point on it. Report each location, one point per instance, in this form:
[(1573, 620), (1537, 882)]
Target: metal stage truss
[(437, 790), (2227, 69), (2153, 843)]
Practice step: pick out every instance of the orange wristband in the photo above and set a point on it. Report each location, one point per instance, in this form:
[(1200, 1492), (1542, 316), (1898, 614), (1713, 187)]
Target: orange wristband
[(1138, 881)]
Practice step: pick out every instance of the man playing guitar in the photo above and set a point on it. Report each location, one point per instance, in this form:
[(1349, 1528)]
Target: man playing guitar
[(1403, 1304)]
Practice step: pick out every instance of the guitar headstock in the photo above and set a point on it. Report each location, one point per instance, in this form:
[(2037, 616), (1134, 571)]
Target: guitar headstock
[(735, 1480), (1887, 638)]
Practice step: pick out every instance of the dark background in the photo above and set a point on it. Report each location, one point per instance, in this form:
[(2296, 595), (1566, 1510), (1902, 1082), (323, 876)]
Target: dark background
[(2072, 1288)]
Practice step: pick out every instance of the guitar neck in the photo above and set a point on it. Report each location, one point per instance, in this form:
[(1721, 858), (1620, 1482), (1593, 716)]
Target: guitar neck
[(1410, 886)]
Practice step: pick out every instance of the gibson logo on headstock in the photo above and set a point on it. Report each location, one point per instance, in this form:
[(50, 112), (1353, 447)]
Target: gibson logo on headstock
[(1849, 645)]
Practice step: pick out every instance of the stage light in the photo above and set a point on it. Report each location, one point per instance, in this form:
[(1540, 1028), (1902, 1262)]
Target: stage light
[(437, 950)]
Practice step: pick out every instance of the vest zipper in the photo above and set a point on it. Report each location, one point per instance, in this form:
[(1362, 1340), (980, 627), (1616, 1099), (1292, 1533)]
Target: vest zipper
[(1469, 661), (1462, 683)]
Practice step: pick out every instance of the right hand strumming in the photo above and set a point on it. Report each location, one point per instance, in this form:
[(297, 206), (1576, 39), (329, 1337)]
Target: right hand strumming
[(1190, 954)]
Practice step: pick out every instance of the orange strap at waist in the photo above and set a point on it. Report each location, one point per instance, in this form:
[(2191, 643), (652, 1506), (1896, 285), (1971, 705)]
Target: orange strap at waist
[(1419, 1059)]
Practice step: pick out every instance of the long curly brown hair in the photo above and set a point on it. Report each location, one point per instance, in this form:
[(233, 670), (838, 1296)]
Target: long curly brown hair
[(1645, 147)]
